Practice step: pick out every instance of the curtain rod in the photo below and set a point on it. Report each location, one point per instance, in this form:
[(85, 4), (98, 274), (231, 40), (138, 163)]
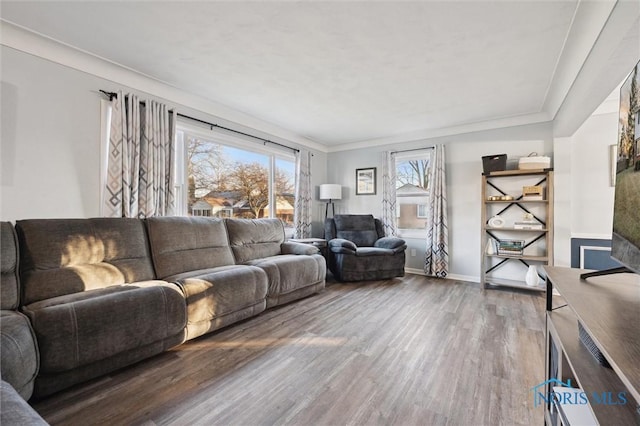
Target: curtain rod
[(113, 95), (414, 149)]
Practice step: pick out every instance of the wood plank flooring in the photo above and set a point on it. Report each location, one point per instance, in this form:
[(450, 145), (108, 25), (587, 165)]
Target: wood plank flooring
[(406, 351)]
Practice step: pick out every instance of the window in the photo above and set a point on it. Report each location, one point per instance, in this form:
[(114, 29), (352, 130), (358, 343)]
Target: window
[(225, 177), (422, 211), (412, 190)]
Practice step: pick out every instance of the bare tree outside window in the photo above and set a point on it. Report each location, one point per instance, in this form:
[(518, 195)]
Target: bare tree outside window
[(251, 182), (206, 168), (225, 181), (414, 172)]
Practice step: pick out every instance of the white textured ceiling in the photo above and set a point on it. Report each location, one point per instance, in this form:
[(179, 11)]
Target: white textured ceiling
[(333, 72)]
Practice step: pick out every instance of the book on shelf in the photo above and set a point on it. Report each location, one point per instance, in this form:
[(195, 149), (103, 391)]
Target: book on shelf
[(506, 252), (528, 225), (510, 247), (532, 198)]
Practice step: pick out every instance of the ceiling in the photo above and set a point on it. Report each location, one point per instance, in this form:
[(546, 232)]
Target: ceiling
[(337, 72)]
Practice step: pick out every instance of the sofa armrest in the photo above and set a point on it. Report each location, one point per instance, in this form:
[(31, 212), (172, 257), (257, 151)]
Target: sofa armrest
[(339, 245), (394, 243), (15, 410), (291, 247)]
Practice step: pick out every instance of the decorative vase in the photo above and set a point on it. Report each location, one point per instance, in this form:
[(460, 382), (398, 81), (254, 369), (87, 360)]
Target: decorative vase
[(491, 247), (532, 276)]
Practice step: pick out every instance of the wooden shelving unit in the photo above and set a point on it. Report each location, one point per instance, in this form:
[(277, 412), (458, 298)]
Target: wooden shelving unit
[(608, 308), (499, 270)]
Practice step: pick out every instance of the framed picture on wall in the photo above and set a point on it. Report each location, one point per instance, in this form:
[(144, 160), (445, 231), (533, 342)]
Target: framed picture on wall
[(366, 181)]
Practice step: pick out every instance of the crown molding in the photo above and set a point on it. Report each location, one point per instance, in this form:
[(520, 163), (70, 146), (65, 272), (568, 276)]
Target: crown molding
[(24, 40), (588, 21), (27, 41), (521, 120)]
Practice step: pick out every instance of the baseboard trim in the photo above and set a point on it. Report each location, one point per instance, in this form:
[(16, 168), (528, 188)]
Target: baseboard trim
[(456, 277), (467, 278), (592, 236)]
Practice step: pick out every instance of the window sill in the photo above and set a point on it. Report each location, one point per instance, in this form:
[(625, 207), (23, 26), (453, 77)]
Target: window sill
[(412, 233)]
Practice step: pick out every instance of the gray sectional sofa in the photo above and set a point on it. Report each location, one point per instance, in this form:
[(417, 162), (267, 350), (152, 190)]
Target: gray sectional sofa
[(232, 269), (103, 293), (18, 348), (19, 356)]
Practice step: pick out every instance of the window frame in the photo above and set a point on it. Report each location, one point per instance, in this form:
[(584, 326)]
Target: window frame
[(105, 134), (425, 215), (405, 156), (223, 138)]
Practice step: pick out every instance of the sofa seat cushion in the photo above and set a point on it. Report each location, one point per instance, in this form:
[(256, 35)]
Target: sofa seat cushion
[(220, 296), (18, 352), (289, 272), (81, 328)]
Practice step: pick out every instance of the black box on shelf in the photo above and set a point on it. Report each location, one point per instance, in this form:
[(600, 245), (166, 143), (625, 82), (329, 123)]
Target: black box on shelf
[(494, 163)]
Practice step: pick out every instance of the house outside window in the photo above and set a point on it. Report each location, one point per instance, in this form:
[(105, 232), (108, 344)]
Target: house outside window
[(201, 208), (224, 212), (412, 191), (227, 177)]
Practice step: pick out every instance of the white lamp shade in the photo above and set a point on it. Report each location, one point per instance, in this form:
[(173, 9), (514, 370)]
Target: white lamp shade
[(330, 191)]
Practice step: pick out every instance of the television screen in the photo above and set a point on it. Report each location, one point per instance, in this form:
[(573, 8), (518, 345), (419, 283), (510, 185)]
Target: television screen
[(625, 247)]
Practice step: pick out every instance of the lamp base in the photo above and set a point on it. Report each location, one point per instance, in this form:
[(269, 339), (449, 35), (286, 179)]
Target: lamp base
[(326, 209)]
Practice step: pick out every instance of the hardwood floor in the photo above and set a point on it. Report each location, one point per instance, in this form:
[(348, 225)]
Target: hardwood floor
[(407, 351)]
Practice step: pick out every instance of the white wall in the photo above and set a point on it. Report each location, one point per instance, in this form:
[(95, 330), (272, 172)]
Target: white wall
[(583, 194), (464, 168), (50, 140), (592, 201), (562, 200)]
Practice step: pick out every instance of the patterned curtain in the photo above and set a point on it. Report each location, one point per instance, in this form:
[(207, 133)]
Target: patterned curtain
[(389, 193), (141, 159), (437, 251), (303, 196)]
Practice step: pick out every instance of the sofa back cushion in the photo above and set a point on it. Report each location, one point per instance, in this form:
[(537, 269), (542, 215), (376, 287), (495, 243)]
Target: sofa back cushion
[(65, 256), (255, 238), (9, 284), (358, 228), (183, 244)]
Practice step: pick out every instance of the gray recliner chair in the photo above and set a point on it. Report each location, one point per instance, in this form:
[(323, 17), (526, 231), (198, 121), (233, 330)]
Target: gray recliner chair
[(358, 249)]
